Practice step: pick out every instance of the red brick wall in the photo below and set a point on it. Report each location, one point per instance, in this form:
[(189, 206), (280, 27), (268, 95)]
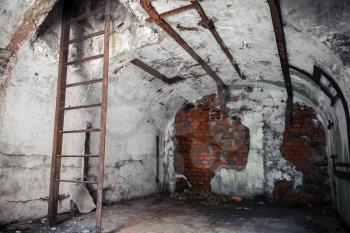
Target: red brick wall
[(304, 146), (207, 140)]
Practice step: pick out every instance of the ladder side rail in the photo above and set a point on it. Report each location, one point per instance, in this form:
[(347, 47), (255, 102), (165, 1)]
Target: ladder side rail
[(59, 115), (103, 118)]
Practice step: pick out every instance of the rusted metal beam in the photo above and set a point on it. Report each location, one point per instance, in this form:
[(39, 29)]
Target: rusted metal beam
[(316, 77), (282, 52), (209, 24), (173, 12), (322, 87), (318, 73), (221, 87), (155, 73)]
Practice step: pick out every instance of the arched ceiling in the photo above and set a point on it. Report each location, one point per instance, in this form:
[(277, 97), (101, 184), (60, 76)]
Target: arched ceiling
[(316, 32)]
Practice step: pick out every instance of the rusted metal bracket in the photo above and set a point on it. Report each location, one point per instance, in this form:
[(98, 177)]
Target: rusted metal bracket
[(206, 23), (282, 52), (318, 73), (155, 73), (209, 24), (221, 87), (173, 12)]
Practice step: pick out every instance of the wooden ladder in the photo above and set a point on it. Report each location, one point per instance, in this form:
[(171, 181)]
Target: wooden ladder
[(62, 86)]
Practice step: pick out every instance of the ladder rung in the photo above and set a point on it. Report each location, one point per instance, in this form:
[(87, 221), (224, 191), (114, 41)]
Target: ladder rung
[(78, 156), (84, 83), (76, 181), (80, 131), (83, 106), (85, 59), (87, 36), (86, 15)]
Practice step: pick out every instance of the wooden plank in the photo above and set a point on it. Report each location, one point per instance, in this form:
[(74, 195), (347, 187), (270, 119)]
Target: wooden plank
[(59, 115), (103, 118)]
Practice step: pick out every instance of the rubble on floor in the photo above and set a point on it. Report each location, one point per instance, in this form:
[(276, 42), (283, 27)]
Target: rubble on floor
[(204, 197)]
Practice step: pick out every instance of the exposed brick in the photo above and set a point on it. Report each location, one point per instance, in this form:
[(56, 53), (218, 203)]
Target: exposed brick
[(206, 140), (303, 142)]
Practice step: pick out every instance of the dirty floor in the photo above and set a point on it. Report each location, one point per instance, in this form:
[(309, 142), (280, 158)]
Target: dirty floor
[(162, 214)]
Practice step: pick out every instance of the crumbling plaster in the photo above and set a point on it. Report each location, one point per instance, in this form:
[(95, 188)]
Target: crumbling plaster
[(141, 107)]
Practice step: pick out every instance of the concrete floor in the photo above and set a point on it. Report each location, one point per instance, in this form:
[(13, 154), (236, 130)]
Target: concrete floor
[(161, 214)]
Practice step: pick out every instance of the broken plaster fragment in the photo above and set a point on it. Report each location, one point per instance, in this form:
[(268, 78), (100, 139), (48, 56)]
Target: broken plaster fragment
[(82, 198)]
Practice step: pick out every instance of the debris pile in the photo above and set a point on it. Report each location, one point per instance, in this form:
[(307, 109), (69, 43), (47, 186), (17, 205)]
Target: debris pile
[(204, 197)]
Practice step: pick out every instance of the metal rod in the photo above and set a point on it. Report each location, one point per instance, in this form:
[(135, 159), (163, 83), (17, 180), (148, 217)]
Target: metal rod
[(318, 72), (59, 115), (87, 151), (87, 36), (154, 72), (78, 156), (173, 12), (322, 87), (85, 59), (103, 120), (343, 175), (84, 83), (339, 164), (316, 77), (282, 52), (157, 162), (80, 131), (76, 181), (82, 106)]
